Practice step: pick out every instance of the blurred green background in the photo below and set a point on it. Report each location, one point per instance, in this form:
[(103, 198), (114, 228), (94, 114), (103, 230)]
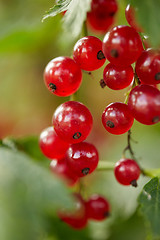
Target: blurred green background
[(26, 108)]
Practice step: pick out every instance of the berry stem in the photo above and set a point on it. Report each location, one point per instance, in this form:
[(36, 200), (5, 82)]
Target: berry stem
[(104, 165), (135, 83), (73, 97), (152, 172), (128, 147), (85, 30)]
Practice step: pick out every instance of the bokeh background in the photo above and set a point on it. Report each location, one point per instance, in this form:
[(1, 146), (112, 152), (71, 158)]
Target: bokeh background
[(26, 106)]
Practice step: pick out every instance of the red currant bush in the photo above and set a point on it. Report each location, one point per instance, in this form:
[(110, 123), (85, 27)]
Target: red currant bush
[(117, 118), (127, 172), (62, 76), (116, 77), (88, 53), (77, 219), (98, 208), (61, 168), (144, 103), (101, 16), (51, 145), (122, 46), (82, 158), (130, 14), (72, 121), (148, 66)]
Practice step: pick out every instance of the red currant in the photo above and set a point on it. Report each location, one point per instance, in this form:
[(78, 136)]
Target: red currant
[(127, 171), (88, 53), (72, 121), (76, 219), (116, 77), (100, 18), (82, 158), (144, 103), (62, 76), (98, 208), (51, 145), (148, 66), (122, 46), (130, 13), (117, 118), (61, 169)]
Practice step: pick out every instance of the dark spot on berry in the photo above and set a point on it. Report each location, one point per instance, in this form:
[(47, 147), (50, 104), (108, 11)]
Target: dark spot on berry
[(85, 171), (102, 83), (134, 183), (100, 55), (112, 14), (52, 87), (157, 76), (77, 135), (114, 53), (106, 214), (110, 124), (155, 119)]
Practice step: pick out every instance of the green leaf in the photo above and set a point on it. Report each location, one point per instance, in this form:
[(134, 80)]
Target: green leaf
[(149, 18), (74, 17), (28, 195), (149, 201)]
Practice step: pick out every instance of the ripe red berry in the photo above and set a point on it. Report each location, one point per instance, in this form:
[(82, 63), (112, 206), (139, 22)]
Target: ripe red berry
[(62, 170), (51, 144), (101, 16), (144, 103), (130, 14), (72, 121), (148, 66), (82, 158), (117, 118), (76, 219), (116, 77), (127, 171), (88, 53), (98, 208), (62, 76), (122, 46)]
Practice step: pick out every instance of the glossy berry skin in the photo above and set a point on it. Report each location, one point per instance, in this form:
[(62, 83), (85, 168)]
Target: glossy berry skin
[(144, 103), (130, 13), (61, 168), (72, 121), (101, 16), (98, 208), (122, 46), (62, 76), (117, 118), (127, 172), (51, 145), (76, 219), (88, 53), (148, 66), (82, 158), (116, 77)]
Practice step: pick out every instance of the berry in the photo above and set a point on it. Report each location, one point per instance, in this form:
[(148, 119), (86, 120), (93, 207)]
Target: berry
[(76, 219), (82, 158), (72, 121), (122, 46), (62, 170), (148, 66), (88, 53), (127, 172), (101, 16), (51, 145), (62, 76), (130, 14), (98, 208), (116, 77), (144, 103), (117, 118)]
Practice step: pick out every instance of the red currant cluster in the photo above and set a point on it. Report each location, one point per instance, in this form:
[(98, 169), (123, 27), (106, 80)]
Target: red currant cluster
[(72, 158)]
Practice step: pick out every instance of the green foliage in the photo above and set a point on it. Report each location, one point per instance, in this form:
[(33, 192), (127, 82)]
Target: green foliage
[(28, 195), (149, 18), (149, 201)]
